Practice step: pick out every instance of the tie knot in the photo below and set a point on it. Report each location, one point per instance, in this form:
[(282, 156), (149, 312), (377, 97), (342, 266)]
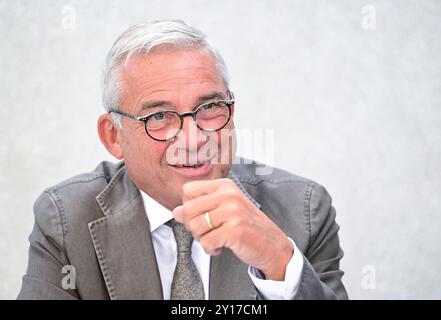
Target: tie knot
[(183, 237)]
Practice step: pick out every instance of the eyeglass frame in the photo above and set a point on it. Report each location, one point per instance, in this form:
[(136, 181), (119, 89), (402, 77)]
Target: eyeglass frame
[(227, 102)]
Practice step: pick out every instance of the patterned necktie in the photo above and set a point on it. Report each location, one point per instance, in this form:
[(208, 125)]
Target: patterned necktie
[(187, 284)]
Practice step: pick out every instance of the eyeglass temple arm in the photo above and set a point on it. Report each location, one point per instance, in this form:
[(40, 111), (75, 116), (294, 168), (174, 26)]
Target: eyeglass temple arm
[(128, 115), (230, 95)]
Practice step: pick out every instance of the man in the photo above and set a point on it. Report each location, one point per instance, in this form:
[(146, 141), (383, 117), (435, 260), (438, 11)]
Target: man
[(176, 219)]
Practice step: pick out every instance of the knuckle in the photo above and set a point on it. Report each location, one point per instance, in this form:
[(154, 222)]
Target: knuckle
[(187, 207), (231, 207), (203, 242), (197, 237), (235, 223), (228, 182), (230, 194), (192, 225), (206, 244)]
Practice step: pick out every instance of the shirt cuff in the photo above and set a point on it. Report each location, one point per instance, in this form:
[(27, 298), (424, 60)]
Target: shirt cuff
[(280, 290)]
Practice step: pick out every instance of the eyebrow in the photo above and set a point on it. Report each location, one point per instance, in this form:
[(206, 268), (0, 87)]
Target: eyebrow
[(162, 103), (212, 95)]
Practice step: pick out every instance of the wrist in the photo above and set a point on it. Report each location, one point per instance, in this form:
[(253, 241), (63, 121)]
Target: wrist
[(277, 268)]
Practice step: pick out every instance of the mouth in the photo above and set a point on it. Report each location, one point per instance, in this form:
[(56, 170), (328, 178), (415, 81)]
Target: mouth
[(193, 170), (196, 165)]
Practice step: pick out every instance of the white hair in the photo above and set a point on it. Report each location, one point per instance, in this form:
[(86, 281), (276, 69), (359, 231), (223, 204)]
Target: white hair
[(141, 39)]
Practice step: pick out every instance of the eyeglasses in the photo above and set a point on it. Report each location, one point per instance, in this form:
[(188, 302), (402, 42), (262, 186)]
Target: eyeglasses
[(166, 124)]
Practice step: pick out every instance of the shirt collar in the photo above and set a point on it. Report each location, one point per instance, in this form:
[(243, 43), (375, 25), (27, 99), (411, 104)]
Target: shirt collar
[(156, 212)]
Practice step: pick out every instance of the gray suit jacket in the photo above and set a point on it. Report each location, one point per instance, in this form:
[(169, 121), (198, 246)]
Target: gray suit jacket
[(96, 222)]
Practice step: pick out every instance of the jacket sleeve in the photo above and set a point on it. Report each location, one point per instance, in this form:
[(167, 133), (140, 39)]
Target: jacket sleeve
[(44, 277), (321, 274)]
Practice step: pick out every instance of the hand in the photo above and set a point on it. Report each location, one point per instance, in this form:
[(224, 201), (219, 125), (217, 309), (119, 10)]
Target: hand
[(237, 224)]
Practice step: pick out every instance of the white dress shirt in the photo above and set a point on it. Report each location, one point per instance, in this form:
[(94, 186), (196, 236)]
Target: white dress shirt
[(164, 244)]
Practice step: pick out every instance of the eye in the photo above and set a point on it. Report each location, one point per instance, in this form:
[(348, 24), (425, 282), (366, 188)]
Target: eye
[(158, 116), (208, 106)]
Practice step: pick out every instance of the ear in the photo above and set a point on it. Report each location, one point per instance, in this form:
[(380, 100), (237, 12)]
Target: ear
[(109, 135)]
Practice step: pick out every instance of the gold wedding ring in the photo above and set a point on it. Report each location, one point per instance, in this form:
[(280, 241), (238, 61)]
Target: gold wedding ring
[(207, 218)]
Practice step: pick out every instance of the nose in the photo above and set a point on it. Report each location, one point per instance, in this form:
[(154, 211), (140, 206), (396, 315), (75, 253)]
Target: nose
[(190, 135)]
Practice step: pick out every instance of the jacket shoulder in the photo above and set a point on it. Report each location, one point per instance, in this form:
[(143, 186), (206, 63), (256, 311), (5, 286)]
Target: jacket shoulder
[(99, 177), (291, 201), (253, 172), (74, 200)]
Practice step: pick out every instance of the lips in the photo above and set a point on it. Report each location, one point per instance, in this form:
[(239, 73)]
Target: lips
[(197, 170), (196, 165)]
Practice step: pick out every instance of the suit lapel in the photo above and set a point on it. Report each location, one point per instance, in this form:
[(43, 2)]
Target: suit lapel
[(229, 278), (123, 242)]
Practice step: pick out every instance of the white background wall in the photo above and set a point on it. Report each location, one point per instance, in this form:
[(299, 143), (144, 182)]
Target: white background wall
[(356, 109)]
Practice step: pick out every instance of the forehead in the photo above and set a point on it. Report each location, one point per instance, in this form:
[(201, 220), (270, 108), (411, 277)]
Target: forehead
[(169, 72)]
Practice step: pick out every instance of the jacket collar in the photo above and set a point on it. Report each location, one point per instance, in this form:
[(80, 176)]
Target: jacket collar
[(123, 243), (236, 180)]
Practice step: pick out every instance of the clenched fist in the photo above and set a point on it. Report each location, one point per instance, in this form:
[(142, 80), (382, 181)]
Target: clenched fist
[(236, 224)]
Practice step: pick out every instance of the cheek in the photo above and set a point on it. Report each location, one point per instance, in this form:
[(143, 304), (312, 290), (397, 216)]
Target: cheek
[(157, 151), (227, 138), (143, 151), (153, 152), (226, 143)]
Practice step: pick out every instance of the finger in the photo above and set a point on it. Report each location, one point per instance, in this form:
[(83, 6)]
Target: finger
[(199, 226), (216, 252), (213, 241), (227, 194), (200, 205), (194, 189), (178, 214)]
